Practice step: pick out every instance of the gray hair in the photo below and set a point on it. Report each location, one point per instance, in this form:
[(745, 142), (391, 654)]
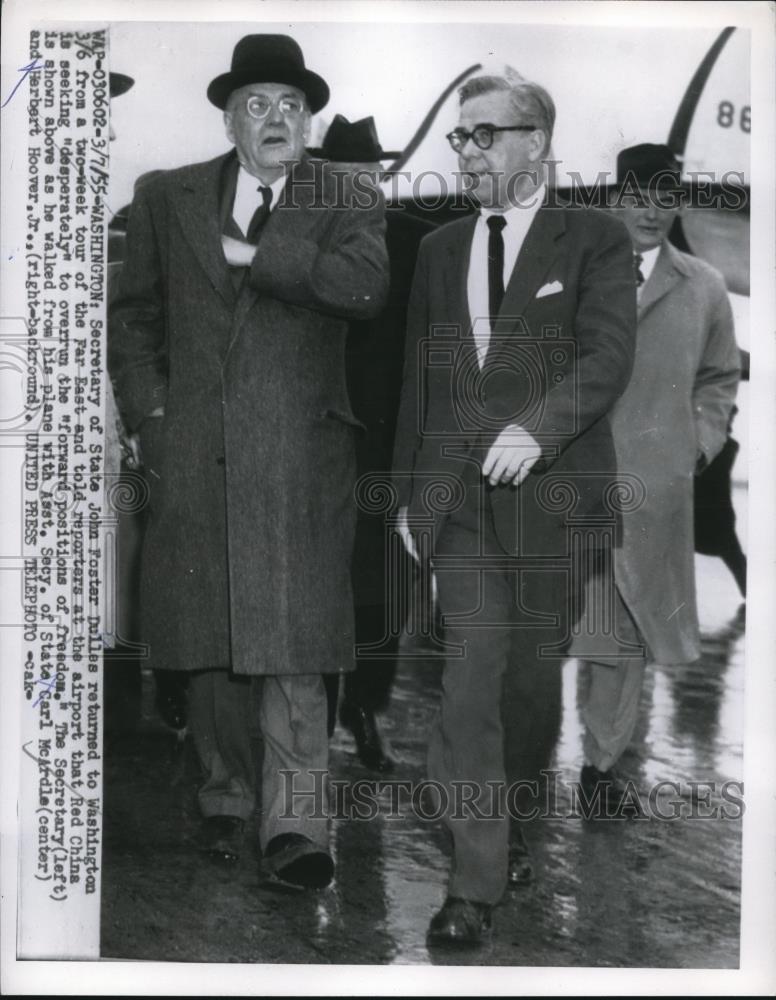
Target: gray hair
[(530, 101)]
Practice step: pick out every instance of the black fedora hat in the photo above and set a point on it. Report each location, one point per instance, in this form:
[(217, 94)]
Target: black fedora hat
[(119, 84), (651, 173), (269, 59), (648, 166), (353, 142)]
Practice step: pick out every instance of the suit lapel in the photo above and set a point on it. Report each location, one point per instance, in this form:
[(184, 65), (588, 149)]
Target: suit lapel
[(665, 275), (456, 272), (537, 253), (539, 250), (197, 206)]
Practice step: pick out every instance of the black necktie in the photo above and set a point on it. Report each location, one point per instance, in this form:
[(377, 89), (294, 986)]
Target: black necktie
[(495, 265), (260, 216), (637, 259)]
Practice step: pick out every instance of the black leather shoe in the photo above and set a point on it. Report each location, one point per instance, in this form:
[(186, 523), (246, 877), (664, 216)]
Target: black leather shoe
[(294, 860), (605, 796), (222, 837), (171, 697), (362, 724), (460, 923), (520, 870)]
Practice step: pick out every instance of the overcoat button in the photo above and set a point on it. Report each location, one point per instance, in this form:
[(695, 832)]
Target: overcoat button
[(220, 461)]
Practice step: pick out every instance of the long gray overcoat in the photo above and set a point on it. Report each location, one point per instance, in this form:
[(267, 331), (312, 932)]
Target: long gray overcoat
[(246, 561), (676, 407)]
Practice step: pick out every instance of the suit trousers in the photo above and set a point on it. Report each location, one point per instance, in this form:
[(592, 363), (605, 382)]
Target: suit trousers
[(500, 704), (292, 719)]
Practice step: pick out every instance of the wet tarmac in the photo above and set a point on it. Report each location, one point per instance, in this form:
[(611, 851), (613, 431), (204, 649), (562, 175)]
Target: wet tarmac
[(652, 892)]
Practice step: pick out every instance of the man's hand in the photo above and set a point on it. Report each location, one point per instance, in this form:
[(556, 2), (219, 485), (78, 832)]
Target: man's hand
[(130, 451), (238, 253), (406, 535), (511, 457)]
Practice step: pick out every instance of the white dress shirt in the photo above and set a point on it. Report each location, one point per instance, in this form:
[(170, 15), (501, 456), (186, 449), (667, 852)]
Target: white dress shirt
[(647, 266), (247, 198), (518, 221)]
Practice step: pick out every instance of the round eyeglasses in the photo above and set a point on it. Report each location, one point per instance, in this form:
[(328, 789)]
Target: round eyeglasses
[(259, 107), (482, 135)]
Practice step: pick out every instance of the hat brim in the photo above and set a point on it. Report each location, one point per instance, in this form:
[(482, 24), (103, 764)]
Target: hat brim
[(119, 84), (319, 154), (660, 181), (636, 185), (314, 87)]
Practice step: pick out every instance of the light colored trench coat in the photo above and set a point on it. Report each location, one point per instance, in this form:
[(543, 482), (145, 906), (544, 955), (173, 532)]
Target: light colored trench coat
[(676, 408)]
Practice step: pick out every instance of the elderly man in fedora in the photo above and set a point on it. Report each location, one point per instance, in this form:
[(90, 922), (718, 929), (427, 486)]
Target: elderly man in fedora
[(668, 425), (227, 341)]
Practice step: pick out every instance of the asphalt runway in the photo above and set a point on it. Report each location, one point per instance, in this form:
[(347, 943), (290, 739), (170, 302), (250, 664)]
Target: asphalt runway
[(656, 892)]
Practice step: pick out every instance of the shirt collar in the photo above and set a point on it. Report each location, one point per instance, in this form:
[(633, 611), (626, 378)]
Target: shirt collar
[(246, 182), (523, 210), (648, 260)]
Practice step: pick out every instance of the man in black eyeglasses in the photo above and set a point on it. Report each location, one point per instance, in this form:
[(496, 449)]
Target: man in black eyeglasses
[(521, 335)]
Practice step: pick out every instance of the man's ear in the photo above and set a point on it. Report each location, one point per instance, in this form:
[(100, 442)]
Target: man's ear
[(537, 142)]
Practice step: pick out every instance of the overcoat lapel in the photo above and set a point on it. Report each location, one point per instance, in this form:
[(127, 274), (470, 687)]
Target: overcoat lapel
[(291, 219), (665, 275), (196, 204)]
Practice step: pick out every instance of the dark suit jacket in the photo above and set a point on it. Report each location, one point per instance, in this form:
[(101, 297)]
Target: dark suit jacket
[(375, 348), (557, 362), (247, 553), (374, 362)]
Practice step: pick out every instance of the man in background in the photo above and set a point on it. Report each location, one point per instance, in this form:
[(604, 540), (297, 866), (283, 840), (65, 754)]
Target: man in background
[(715, 517), (668, 426)]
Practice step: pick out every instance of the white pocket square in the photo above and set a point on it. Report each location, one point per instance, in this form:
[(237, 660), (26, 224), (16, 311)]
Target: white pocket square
[(552, 289)]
